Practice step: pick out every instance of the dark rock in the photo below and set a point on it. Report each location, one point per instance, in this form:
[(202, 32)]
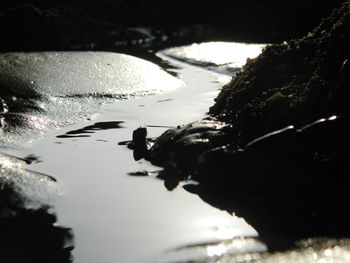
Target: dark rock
[(140, 144), (274, 150), (141, 173), (189, 140), (295, 82)]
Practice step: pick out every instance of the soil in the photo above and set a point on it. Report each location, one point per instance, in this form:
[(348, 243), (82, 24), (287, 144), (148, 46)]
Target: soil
[(284, 167)]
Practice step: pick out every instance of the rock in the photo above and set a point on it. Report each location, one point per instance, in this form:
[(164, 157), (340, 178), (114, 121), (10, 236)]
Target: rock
[(140, 143), (275, 147), (183, 144)]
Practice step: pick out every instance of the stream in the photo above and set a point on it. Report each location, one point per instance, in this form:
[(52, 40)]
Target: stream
[(117, 217)]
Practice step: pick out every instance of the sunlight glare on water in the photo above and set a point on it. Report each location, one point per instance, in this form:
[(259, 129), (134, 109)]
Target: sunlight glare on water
[(216, 250), (218, 53), (224, 227)]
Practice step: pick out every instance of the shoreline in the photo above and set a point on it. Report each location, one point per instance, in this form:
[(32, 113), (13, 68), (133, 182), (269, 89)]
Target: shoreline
[(78, 162)]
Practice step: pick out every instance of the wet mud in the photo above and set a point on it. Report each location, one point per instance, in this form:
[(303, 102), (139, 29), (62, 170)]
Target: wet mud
[(288, 182), (274, 149)]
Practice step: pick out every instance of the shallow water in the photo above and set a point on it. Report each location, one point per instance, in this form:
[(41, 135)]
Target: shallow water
[(120, 218)]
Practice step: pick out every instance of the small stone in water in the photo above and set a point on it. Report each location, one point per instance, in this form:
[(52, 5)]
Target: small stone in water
[(142, 173)]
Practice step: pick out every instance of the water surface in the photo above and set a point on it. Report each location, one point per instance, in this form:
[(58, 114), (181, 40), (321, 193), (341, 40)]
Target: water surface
[(120, 218)]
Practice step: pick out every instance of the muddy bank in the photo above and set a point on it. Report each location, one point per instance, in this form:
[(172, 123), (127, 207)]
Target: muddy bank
[(273, 149), (39, 91)]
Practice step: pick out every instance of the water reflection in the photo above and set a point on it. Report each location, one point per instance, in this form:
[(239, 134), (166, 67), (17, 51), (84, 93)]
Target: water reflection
[(98, 126), (32, 158), (210, 252), (312, 250)]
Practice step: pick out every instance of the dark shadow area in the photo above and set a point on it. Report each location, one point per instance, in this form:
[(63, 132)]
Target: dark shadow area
[(119, 25), (32, 237), (28, 226), (289, 185), (98, 126)]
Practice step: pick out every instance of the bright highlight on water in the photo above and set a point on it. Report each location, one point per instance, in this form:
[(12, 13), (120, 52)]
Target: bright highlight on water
[(229, 54)]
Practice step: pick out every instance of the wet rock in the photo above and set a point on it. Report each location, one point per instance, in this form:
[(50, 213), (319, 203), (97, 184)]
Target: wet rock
[(283, 158), (288, 184), (275, 148), (171, 175), (143, 173), (183, 144), (140, 143)]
